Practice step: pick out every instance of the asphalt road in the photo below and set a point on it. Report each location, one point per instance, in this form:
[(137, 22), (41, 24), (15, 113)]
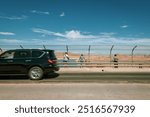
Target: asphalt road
[(104, 77), (77, 86), (83, 77), (63, 91)]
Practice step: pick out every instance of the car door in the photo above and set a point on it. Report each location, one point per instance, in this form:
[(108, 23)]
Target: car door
[(6, 62), (22, 60)]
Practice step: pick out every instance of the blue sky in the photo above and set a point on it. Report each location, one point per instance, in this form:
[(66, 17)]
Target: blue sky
[(75, 22)]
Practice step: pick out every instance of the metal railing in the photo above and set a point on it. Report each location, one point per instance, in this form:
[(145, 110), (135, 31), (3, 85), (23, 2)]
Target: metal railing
[(106, 64)]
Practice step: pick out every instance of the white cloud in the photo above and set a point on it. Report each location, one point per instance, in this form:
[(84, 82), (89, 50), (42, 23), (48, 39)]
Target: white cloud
[(46, 32), (14, 17), (40, 12), (124, 26), (77, 37), (73, 34), (62, 14), (58, 40), (7, 33)]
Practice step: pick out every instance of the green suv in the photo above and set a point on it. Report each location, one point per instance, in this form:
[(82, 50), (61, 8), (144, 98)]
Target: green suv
[(35, 63)]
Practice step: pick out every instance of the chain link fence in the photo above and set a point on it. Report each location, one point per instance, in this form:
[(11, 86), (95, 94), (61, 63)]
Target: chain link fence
[(96, 55)]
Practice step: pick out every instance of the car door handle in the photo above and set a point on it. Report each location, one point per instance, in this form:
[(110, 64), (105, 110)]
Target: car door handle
[(27, 60)]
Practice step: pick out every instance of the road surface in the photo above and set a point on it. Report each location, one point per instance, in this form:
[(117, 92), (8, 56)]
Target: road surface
[(78, 86), (83, 77), (61, 91)]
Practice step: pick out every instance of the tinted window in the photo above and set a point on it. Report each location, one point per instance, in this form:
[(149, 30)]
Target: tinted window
[(22, 54), (36, 53)]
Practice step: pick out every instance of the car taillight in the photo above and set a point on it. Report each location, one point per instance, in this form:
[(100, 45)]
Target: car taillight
[(51, 61)]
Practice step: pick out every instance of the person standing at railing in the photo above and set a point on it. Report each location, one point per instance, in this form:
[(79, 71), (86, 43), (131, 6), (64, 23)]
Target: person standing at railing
[(81, 59), (66, 58), (115, 60)]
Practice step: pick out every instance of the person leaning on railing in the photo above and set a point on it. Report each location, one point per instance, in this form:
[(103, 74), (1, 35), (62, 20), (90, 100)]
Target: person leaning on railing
[(66, 58), (115, 60), (81, 60)]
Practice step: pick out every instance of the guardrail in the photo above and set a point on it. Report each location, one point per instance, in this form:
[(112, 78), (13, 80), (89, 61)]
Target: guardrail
[(105, 64)]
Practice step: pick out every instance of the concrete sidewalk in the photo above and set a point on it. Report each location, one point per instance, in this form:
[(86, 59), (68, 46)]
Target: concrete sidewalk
[(115, 70)]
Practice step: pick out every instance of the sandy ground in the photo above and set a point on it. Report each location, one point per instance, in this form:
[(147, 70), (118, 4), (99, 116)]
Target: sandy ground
[(106, 58)]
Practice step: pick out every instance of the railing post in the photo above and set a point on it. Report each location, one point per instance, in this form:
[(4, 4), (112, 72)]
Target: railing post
[(67, 49), (21, 47), (111, 53), (89, 49), (133, 53), (44, 47)]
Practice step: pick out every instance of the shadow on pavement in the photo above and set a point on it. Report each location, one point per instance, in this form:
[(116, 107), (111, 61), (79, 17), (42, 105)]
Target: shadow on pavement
[(49, 76), (13, 78)]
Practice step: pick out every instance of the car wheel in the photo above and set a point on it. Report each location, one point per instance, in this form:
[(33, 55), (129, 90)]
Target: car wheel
[(35, 73)]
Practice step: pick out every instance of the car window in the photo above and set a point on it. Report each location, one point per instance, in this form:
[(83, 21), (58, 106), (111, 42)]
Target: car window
[(36, 53), (52, 55), (8, 55), (22, 54)]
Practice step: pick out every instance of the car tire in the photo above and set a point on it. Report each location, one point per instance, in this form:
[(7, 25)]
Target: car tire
[(35, 73)]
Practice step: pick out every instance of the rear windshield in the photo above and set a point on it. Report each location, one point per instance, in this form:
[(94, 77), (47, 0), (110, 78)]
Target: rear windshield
[(51, 55)]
